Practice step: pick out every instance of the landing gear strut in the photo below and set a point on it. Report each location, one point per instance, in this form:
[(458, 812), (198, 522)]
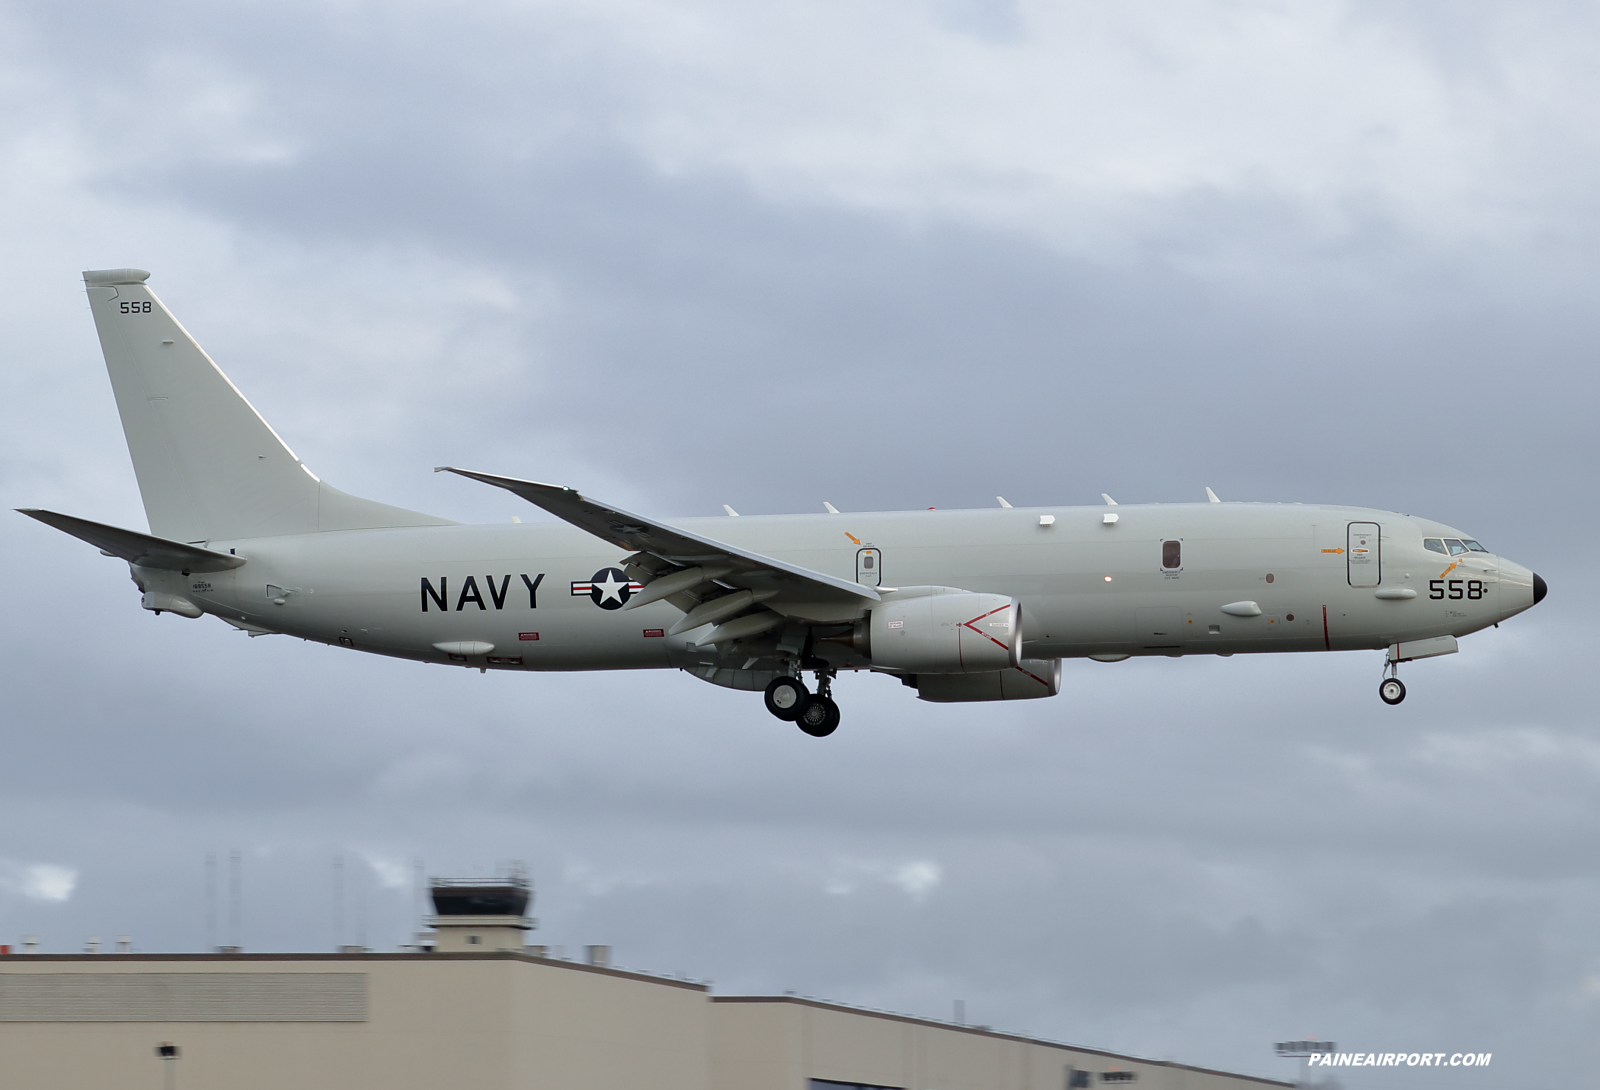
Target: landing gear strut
[(1391, 690), (819, 715)]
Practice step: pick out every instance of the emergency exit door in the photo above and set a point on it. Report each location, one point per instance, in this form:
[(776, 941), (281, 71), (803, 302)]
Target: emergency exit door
[(869, 567), (1363, 559)]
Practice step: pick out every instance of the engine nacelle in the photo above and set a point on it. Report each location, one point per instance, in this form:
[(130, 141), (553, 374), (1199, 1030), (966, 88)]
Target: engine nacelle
[(1030, 679), (946, 631)]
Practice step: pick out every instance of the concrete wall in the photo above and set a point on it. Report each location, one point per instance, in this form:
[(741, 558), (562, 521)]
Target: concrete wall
[(762, 1043), (483, 1021), (477, 1022)]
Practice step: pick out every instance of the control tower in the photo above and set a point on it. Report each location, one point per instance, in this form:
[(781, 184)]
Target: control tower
[(474, 915)]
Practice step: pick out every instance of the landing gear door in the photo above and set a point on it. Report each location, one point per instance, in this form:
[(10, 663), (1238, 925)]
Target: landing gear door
[(1362, 555), (869, 567)]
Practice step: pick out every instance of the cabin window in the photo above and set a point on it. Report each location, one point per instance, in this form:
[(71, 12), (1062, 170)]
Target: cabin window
[(1172, 554), (1433, 544), (1456, 548)]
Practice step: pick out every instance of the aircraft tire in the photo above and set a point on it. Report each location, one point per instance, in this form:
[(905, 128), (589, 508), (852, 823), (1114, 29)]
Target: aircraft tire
[(1392, 691), (819, 717), (786, 698)]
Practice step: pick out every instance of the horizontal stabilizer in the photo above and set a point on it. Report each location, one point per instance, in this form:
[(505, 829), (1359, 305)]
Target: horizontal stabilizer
[(642, 535), (137, 548)]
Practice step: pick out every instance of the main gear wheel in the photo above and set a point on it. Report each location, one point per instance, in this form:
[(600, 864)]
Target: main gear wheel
[(819, 716), (786, 698)]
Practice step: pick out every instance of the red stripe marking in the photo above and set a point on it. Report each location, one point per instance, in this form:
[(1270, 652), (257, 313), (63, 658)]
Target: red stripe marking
[(1035, 677), (981, 632), (1327, 645)]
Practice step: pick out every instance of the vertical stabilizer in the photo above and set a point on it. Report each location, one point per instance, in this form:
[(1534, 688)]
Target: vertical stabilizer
[(209, 467)]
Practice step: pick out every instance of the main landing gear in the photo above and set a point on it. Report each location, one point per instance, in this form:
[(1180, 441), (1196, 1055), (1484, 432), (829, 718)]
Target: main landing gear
[(1391, 690), (816, 714), (786, 696)]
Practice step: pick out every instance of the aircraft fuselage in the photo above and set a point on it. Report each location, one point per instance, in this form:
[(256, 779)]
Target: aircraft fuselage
[(1086, 587)]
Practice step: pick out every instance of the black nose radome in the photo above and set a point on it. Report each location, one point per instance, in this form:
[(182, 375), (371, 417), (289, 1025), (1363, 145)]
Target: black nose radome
[(1539, 590)]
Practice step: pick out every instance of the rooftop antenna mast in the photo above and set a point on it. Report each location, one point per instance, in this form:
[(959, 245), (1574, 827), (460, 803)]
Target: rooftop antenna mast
[(235, 863), (359, 879), (211, 903), (419, 893), (338, 903)]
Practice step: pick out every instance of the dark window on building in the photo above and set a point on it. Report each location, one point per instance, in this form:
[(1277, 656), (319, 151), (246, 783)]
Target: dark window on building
[(829, 1084), (1172, 554), (1118, 1076), (1077, 1080)]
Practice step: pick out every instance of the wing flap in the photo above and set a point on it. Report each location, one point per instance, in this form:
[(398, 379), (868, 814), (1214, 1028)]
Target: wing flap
[(746, 570), (136, 548)]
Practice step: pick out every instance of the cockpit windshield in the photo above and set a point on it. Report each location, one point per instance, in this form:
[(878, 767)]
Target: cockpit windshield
[(1450, 546)]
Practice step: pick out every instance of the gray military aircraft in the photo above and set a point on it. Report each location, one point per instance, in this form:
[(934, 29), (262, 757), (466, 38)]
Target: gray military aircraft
[(960, 605)]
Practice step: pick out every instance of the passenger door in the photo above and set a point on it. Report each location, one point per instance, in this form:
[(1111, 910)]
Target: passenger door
[(1363, 558)]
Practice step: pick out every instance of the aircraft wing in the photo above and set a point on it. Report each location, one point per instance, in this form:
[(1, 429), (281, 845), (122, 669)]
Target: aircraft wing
[(137, 548), (642, 535)]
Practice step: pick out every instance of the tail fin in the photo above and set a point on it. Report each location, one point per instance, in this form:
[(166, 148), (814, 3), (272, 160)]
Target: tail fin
[(209, 467)]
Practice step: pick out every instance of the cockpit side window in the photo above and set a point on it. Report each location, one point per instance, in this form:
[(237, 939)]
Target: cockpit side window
[(1473, 545), (1433, 544), (1456, 548)]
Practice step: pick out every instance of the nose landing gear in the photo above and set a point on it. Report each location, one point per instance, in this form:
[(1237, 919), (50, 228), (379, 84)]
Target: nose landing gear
[(1391, 690)]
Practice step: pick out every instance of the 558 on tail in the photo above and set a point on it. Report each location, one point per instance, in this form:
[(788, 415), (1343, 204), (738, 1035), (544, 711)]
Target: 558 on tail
[(959, 605)]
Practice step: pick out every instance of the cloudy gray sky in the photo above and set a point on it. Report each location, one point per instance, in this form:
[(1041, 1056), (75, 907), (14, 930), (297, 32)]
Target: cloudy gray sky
[(890, 254)]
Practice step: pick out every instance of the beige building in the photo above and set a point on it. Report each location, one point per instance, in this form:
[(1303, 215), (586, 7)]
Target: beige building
[(475, 1009), (495, 1020)]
